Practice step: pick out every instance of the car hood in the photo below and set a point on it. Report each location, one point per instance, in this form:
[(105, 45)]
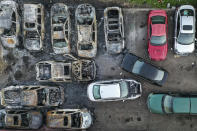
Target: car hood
[(155, 103), (33, 44), (183, 49), (158, 52)]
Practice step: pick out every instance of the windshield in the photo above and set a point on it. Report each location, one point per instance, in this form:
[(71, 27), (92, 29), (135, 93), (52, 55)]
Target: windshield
[(158, 19), (158, 40), (96, 92), (167, 104), (123, 89), (137, 67), (60, 43), (186, 39)]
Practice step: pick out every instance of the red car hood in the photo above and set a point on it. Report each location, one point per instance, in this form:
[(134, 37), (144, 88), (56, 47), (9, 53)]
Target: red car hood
[(158, 52), (158, 29)]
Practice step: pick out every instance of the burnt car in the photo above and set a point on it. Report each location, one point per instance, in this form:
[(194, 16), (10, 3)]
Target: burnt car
[(20, 119), (60, 28), (69, 119), (144, 69), (31, 96), (77, 70), (33, 26), (9, 23), (114, 30), (85, 17)]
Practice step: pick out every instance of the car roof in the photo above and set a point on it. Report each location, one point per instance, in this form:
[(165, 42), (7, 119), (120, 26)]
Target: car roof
[(110, 91), (185, 22), (181, 105)]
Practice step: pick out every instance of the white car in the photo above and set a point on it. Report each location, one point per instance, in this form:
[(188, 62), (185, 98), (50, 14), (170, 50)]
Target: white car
[(184, 42), (114, 90)]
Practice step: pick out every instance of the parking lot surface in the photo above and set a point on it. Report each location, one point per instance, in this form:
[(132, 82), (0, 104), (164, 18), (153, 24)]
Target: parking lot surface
[(130, 115)]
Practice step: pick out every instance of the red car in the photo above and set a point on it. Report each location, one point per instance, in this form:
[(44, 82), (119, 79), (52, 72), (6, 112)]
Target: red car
[(157, 35)]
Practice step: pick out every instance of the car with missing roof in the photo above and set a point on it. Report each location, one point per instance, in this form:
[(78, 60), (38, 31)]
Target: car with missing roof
[(60, 28), (32, 96), (9, 23), (185, 29), (20, 119), (69, 119), (114, 90), (172, 103), (157, 35), (140, 67), (85, 17), (114, 30), (66, 71), (33, 26)]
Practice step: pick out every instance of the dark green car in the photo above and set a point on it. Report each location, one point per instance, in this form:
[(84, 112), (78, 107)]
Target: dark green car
[(168, 104)]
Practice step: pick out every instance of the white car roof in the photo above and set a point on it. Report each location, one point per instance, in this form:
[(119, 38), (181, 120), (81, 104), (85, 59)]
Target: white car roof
[(187, 21), (110, 91)]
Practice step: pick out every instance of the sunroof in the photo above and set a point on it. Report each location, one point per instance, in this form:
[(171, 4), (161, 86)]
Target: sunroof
[(187, 27)]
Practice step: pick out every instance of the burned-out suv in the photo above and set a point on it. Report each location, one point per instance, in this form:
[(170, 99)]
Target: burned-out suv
[(20, 119), (33, 26), (9, 23), (77, 70), (31, 96)]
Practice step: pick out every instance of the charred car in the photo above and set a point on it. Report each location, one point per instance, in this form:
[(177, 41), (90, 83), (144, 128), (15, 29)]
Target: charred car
[(85, 17), (9, 23), (20, 119), (33, 26), (77, 70), (60, 28), (69, 119), (114, 30), (31, 96)]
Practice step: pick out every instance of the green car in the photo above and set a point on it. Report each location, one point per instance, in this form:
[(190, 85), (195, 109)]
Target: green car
[(168, 104)]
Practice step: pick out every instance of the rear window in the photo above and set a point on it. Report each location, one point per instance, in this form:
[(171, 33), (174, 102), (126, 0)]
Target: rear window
[(187, 27), (96, 92), (158, 19)]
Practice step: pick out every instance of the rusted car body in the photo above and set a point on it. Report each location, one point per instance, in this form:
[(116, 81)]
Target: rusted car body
[(60, 28), (114, 30), (20, 119), (69, 119), (77, 70), (9, 23), (33, 26), (31, 96), (85, 17)]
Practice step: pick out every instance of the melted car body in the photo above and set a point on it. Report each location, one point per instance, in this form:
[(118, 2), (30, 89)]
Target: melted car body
[(114, 30), (33, 26), (20, 119), (60, 28), (31, 96), (85, 17), (9, 23), (114, 90), (69, 119), (77, 70)]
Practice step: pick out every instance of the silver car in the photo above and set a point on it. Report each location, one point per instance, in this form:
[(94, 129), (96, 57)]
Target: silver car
[(184, 42), (9, 23), (114, 90)]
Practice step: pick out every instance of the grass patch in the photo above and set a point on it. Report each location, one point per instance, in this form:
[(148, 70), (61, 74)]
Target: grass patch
[(163, 3)]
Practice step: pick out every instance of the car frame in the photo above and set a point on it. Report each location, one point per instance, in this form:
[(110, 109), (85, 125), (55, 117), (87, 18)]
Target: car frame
[(114, 30), (31, 96), (127, 65), (134, 90), (60, 28), (9, 26), (184, 48), (33, 26), (66, 118), (157, 51), (20, 119), (86, 30)]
